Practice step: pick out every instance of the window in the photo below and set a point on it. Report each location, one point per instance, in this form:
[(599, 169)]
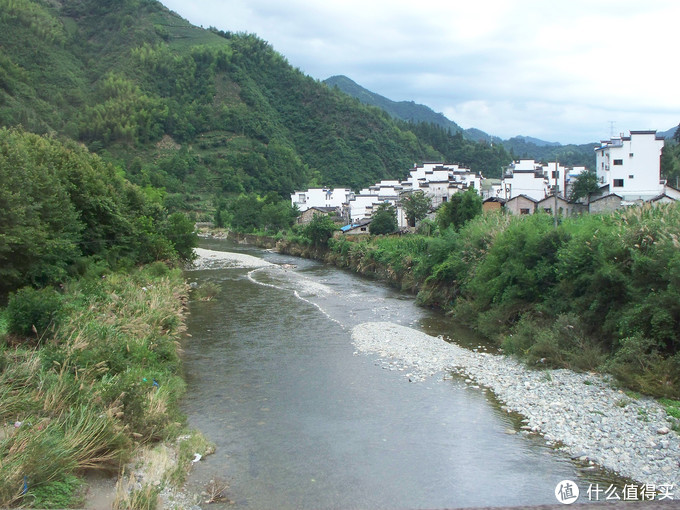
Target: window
[(630, 154), (554, 174), (631, 176), (524, 211), (618, 162), (444, 199), (302, 199), (618, 183)]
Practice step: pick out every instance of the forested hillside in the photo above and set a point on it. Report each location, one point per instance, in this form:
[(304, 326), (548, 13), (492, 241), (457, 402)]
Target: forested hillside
[(197, 112), (477, 156)]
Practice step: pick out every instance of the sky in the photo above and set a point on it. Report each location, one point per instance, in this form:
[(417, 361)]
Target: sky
[(575, 71)]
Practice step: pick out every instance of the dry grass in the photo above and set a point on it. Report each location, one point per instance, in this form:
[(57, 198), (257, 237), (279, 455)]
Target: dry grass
[(216, 490), (86, 395)]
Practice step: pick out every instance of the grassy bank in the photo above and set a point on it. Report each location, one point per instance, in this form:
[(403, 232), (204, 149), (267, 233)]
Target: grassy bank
[(599, 292), (95, 375)]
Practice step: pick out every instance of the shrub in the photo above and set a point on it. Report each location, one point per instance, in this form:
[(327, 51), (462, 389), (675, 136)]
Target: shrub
[(158, 269), (64, 493), (31, 312), (320, 229), (384, 220), (639, 365), (560, 342)]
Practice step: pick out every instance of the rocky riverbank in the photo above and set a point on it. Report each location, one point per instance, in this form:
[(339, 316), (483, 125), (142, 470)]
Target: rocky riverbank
[(581, 413)]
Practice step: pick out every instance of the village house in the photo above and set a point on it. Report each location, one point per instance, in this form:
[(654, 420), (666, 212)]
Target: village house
[(438, 180), (564, 207), (307, 215), (320, 197), (524, 177), (605, 204), (521, 204), (358, 228), (493, 204), (534, 179), (631, 166)]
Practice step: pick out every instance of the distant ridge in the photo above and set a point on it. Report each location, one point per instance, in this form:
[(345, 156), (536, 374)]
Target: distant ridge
[(535, 141), (670, 133), (519, 146), (408, 111)]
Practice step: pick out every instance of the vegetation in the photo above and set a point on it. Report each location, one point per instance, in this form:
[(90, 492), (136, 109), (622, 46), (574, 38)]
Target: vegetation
[(383, 220), (62, 207), (251, 213), (460, 209), (105, 379), (597, 292), (483, 157), (585, 185), (194, 112), (319, 230), (567, 155), (416, 206)]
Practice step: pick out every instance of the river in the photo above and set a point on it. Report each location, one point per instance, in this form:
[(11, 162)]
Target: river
[(301, 420)]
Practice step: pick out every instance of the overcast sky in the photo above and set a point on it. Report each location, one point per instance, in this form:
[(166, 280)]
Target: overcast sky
[(557, 70)]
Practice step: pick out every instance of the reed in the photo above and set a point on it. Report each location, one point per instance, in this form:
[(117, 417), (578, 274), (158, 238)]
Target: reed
[(105, 380)]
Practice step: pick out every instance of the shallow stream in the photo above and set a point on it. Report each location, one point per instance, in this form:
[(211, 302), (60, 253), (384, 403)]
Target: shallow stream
[(301, 420)]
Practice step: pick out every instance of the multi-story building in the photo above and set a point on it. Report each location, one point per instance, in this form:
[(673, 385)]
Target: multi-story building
[(320, 197), (525, 177), (630, 166)]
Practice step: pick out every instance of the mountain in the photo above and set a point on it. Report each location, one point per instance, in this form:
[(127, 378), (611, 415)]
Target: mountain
[(668, 134), (408, 111), (535, 141), (519, 146), (196, 113), (568, 155)]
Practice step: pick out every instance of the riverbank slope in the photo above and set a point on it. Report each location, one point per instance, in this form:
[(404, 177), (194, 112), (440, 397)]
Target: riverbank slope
[(99, 387)]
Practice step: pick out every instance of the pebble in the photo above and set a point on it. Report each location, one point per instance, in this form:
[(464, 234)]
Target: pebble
[(592, 420)]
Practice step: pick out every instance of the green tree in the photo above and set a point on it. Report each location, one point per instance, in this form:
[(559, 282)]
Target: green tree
[(416, 206), (179, 230), (383, 220), (320, 229), (670, 161), (585, 185), (460, 209)]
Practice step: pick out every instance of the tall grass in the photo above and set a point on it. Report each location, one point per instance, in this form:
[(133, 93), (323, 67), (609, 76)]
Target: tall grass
[(107, 379)]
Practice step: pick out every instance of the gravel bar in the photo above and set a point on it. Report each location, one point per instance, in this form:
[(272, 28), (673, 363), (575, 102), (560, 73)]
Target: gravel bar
[(211, 259), (579, 412)]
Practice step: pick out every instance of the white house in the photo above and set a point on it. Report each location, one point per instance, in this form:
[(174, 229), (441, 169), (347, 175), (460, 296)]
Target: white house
[(440, 181), (631, 166), (525, 177), (320, 197), (536, 180)]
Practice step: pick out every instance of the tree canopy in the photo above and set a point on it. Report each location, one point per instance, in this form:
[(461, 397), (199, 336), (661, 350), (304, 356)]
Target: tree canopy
[(460, 209), (585, 185), (383, 220), (60, 205), (416, 206)]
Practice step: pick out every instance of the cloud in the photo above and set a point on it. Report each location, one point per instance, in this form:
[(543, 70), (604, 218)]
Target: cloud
[(561, 69)]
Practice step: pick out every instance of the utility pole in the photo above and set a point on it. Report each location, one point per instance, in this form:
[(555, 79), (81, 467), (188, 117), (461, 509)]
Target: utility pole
[(557, 172)]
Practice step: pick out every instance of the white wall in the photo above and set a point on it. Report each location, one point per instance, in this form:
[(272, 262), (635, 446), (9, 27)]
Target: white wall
[(633, 161), (320, 197)]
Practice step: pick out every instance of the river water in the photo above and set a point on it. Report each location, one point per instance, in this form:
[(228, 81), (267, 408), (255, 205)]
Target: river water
[(301, 420)]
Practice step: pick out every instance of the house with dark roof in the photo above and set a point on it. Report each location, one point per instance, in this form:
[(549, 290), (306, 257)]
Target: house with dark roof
[(307, 215), (521, 204)]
